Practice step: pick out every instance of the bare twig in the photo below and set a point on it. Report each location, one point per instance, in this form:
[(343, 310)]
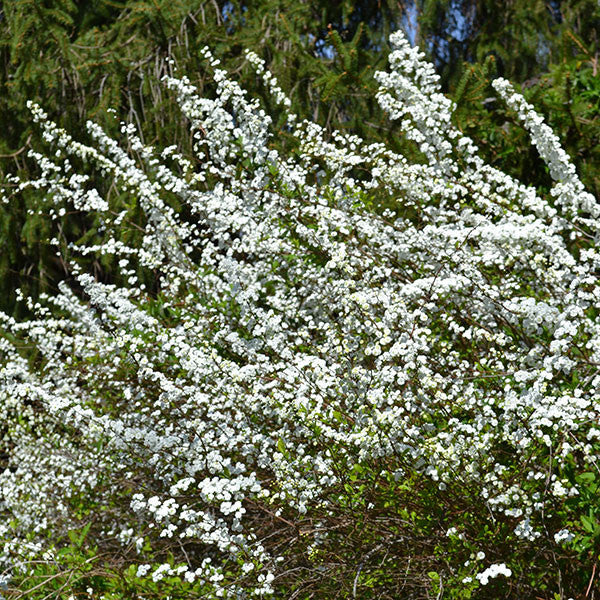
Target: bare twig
[(591, 581), (14, 154)]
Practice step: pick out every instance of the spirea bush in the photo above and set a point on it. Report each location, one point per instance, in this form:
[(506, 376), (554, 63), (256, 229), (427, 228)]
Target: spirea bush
[(361, 374)]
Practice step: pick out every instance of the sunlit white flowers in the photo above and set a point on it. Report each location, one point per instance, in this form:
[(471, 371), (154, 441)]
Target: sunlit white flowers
[(322, 316), (493, 571)]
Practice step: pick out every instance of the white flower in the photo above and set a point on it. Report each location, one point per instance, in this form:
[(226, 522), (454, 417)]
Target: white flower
[(493, 571), (564, 535), (142, 570)]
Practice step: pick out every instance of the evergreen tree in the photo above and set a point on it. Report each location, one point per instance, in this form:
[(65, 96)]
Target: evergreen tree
[(525, 37)]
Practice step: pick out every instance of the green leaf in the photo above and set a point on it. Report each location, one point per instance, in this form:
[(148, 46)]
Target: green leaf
[(589, 524), (281, 446)]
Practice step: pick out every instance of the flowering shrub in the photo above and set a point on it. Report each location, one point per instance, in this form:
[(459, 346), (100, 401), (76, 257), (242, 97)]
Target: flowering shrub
[(362, 375)]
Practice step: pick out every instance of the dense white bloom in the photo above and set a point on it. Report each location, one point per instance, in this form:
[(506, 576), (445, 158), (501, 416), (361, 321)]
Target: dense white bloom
[(300, 333)]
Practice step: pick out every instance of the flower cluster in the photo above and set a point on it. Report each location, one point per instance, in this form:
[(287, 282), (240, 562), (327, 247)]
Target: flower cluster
[(493, 571), (337, 311)]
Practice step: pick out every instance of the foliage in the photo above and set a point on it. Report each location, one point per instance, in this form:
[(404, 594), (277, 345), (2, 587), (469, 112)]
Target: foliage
[(525, 38)]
